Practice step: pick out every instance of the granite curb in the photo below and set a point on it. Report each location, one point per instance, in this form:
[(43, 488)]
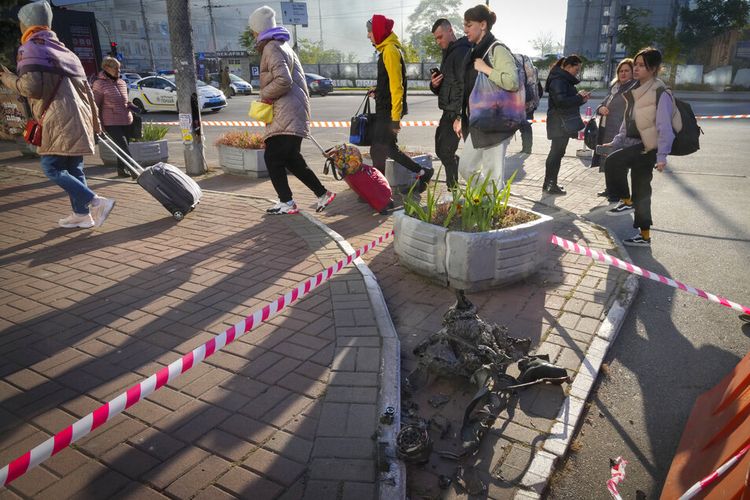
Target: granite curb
[(555, 446)]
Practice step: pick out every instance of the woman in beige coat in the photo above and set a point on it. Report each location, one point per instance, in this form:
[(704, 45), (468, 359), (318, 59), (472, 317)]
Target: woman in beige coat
[(282, 83), (52, 78)]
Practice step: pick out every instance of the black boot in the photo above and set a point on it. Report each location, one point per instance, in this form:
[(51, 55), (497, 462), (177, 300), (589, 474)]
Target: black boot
[(553, 188)]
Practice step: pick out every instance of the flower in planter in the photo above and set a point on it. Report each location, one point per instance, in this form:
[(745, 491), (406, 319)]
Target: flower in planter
[(152, 132), (242, 140), (474, 208)]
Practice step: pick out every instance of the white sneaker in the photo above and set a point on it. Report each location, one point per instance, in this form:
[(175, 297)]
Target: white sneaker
[(324, 201), (100, 208), (77, 220), (288, 207)]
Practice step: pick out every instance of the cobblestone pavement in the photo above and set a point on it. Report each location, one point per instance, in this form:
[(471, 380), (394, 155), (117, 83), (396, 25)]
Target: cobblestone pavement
[(288, 411)]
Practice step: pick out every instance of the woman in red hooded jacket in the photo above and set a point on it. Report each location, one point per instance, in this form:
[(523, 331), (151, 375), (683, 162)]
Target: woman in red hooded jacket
[(390, 99)]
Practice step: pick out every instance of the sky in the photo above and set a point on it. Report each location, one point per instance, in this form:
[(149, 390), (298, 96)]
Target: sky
[(344, 20)]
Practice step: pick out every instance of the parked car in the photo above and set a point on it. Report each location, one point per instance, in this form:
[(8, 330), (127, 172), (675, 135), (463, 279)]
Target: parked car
[(130, 78), (317, 84), (236, 84), (159, 93)]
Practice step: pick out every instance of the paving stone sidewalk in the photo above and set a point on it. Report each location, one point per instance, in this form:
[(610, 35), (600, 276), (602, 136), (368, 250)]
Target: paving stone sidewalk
[(288, 411)]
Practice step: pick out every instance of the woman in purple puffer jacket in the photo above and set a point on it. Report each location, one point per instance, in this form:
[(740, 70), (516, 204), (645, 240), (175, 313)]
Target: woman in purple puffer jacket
[(111, 95)]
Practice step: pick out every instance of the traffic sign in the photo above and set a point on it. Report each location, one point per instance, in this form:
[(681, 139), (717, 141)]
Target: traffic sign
[(294, 13)]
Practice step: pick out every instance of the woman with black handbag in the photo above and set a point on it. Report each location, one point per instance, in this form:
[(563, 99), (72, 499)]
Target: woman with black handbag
[(563, 116), (612, 111), (111, 94)]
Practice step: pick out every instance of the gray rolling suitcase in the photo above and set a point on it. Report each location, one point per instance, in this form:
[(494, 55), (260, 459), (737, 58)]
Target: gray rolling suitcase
[(171, 187)]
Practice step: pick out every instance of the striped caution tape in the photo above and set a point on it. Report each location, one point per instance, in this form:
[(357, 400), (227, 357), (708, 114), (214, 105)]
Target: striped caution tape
[(711, 478), (136, 393), (633, 269), (409, 123), (109, 410), (617, 475)]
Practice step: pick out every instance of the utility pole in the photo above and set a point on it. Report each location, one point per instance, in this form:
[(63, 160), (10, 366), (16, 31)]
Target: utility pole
[(183, 61), (213, 26), (614, 14), (320, 19), (148, 38), (295, 47)]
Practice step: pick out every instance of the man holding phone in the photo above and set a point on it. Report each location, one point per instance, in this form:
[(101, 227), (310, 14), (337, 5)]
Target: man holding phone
[(447, 84)]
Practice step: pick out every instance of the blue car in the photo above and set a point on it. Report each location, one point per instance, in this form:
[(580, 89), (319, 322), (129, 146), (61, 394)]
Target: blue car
[(319, 85)]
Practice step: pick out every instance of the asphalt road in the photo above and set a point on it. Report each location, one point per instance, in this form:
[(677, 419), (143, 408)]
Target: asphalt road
[(672, 346)]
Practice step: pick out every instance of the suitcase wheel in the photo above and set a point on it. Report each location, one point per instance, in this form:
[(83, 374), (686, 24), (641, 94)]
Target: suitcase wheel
[(387, 208), (178, 215)]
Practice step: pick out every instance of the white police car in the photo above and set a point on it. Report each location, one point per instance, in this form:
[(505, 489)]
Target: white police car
[(159, 93)]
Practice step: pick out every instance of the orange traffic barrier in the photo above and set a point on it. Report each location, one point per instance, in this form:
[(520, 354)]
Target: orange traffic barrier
[(717, 430)]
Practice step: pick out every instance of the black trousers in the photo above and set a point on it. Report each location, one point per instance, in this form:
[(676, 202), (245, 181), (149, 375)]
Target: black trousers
[(446, 144), (641, 166), (554, 158), (119, 134), (527, 137), (282, 154), (385, 145)]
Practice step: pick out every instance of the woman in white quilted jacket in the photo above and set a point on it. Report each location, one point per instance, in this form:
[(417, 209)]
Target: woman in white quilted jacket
[(282, 83)]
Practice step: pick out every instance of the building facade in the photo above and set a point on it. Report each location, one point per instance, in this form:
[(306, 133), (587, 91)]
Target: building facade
[(141, 30), (591, 25)]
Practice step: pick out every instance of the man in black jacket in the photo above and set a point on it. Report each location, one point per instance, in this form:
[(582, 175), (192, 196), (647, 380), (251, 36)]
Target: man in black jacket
[(447, 84)]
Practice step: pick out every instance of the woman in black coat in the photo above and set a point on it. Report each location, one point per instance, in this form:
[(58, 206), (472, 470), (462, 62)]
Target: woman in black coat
[(564, 102)]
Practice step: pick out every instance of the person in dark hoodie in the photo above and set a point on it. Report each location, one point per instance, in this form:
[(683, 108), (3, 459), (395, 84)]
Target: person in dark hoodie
[(564, 102), (390, 99), (447, 84), (484, 152)]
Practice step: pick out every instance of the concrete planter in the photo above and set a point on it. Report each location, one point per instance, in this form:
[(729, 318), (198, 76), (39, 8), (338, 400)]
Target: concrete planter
[(472, 261), (145, 153), (398, 175), (240, 161)]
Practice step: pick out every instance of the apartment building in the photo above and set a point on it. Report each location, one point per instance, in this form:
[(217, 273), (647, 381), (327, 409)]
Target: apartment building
[(587, 26)]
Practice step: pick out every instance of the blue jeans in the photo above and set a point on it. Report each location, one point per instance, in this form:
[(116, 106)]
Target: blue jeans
[(67, 172)]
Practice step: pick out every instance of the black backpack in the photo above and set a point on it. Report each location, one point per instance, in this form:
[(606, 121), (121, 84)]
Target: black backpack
[(687, 140)]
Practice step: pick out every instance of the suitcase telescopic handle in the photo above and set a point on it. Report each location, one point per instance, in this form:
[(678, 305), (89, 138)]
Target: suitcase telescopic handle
[(128, 160), (325, 153)]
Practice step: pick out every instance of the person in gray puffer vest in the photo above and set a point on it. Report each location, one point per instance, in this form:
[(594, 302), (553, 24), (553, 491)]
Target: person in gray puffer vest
[(447, 84)]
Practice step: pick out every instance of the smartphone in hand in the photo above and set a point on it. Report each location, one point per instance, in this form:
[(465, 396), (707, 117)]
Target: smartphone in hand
[(604, 149), (434, 71)]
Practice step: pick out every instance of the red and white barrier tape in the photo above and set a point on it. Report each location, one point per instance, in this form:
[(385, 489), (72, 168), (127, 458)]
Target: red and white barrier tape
[(706, 481), (107, 411), (410, 123), (633, 269), (617, 472)]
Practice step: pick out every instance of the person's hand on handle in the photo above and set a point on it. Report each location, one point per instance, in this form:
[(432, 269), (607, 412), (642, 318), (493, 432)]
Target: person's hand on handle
[(371, 92), (604, 110), (585, 94), (661, 166), (482, 66)]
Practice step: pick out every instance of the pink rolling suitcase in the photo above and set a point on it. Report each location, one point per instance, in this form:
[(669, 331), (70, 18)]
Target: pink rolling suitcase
[(367, 182)]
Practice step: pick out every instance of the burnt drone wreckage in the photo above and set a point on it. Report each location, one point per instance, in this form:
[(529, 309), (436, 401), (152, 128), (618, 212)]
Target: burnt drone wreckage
[(470, 348)]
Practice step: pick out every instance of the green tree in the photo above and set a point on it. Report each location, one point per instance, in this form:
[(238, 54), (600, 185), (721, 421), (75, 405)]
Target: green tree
[(635, 31), (411, 54), (421, 21), (671, 49), (314, 53), (710, 18)]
